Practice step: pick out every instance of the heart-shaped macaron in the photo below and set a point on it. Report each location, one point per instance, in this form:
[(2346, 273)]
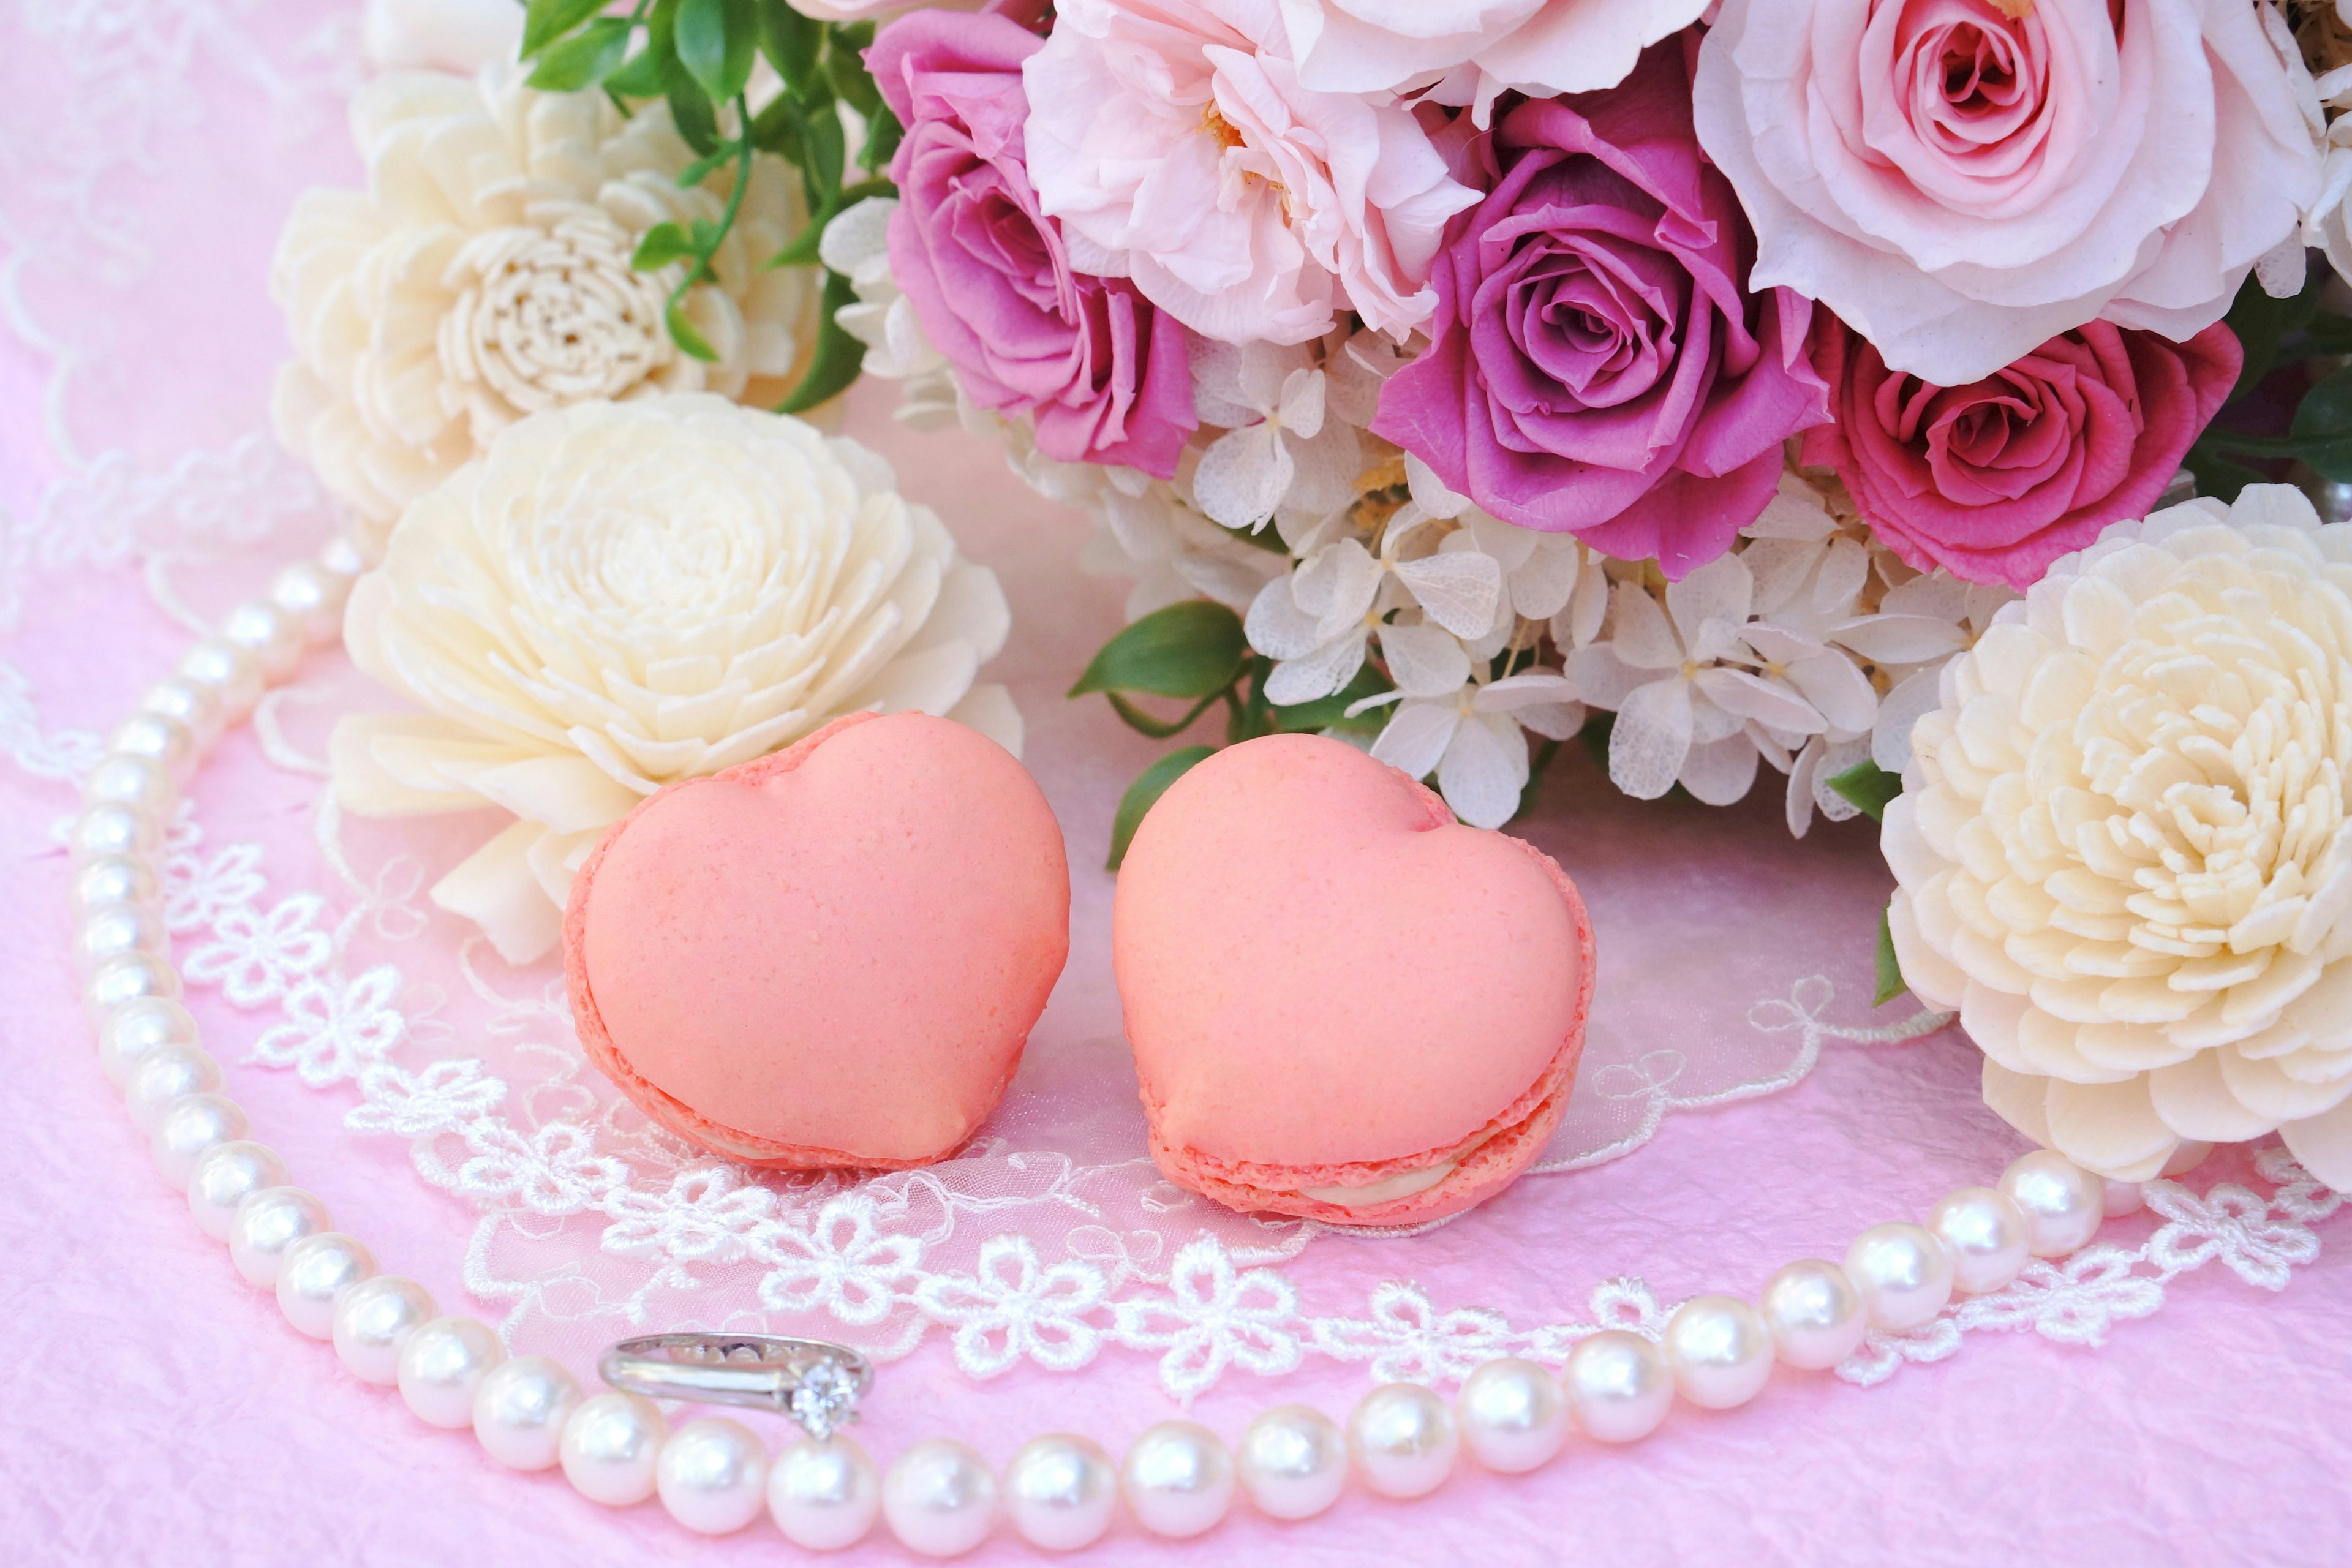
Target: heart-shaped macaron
[(1343, 1004), (828, 957)]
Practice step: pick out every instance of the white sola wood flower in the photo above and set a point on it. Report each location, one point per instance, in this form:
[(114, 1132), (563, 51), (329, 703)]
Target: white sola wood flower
[(619, 595), (2123, 846), (484, 275)]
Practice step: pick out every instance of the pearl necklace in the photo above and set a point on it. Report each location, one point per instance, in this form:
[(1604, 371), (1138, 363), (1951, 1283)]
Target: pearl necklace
[(940, 1497)]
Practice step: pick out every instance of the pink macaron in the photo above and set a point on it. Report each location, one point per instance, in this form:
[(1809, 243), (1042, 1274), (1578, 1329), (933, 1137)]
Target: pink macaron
[(829, 957), (1343, 1004)]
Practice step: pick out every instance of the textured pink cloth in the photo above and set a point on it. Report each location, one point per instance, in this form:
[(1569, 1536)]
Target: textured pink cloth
[(157, 1411)]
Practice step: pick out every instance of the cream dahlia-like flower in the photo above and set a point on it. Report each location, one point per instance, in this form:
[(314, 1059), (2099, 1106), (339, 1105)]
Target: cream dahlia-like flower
[(2123, 846), (484, 275), (617, 595)]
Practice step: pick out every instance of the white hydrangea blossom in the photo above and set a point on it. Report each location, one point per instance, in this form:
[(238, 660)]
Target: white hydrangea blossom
[(1785, 651)]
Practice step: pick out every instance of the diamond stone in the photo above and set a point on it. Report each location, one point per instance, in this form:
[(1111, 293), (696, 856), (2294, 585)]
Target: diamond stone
[(826, 1399)]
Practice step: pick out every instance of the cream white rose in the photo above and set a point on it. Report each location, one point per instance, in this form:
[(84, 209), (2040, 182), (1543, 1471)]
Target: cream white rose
[(2123, 847), (618, 595), (484, 275)]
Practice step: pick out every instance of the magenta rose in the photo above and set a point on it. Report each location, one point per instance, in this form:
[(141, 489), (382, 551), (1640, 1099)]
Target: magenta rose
[(1996, 479), (1104, 376), (1595, 367)]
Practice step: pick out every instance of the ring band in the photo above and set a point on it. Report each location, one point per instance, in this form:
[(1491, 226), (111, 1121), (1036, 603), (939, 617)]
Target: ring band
[(814, 1381)]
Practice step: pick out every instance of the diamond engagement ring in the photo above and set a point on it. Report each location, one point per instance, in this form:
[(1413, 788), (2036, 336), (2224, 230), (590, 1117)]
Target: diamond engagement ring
[(814, 1381)]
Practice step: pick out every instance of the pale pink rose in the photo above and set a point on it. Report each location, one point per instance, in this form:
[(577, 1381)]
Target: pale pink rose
[(1174, 140), (1963, 184), (1471, 51)]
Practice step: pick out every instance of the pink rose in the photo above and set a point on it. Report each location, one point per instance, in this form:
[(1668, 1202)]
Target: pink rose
[(1104, 376), (1175, 143), (1470, 52), (1961, 183), (1996, 479), (1595, 367)]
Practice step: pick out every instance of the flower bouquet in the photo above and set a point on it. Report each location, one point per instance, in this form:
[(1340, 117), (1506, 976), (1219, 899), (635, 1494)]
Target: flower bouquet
[(1722, 386)]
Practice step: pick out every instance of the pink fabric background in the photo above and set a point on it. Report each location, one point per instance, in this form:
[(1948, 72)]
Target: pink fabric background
[(158, 1411)]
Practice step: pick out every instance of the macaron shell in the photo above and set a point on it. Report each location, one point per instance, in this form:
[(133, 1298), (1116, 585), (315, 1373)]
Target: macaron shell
[(827, 957), (1328, 981)]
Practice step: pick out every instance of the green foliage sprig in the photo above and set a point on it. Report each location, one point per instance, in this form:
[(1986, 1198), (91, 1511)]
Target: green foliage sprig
[(698, 55), (1196, 653)]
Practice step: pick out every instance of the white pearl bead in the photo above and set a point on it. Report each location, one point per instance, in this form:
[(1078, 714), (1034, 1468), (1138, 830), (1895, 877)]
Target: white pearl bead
[(2063, 1203), (343, 559), (113, 879), (164, 1076), (824, 1496), (713, 1476), (110, 930), (521, 1409), (269, 1222), (939, 1498), (1815, 1314), (1985, 1233), (137, 1028), (1619, 1385), (192, 1127), (120, 981), (1060, 1492), (229, 670), (1721, 1351), (313, 1275), (1403, 1439), (612, 1448), (1178, 1479), (197, 708), (1293, 1461), (1513, 1415), (443, 1363), (2123, 1198), (313, 596), (222, 1178), (1904, 1273), (142, 785), (113, 829), (160, 738), (272, 637), (373, 1319)]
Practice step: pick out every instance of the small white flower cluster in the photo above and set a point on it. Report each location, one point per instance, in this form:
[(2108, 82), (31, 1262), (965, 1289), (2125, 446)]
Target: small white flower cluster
[(1810, 647)]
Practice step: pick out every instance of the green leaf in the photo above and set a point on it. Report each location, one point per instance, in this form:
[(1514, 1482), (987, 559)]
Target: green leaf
[(2263, 325), (544, 21), (838, 355), (2323, 426), (1869, 786), (826, 152), (1144, 723), (690, 109), (717, 42), (883, 134), (777, 128), (1145, 793), (1303, 718), (1890, 973), (694, 173), (662, 244), (1190, 650), (647, 72), (583, 59), (790, 40), (847, 73), (682, 334)]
